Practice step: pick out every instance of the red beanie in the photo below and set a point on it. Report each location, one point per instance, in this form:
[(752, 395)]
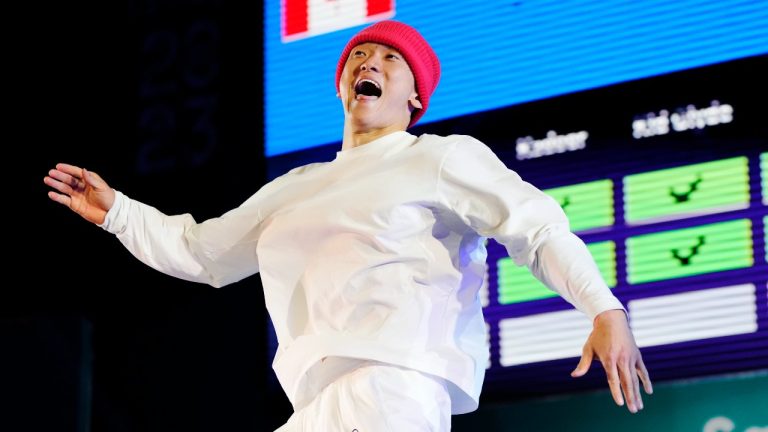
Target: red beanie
[(418, 54)]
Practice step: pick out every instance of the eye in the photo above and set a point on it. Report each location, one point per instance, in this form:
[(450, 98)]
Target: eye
[(358, 53), (393, 56)]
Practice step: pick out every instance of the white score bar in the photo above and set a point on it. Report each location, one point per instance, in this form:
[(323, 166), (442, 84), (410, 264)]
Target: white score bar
[(660, 320)]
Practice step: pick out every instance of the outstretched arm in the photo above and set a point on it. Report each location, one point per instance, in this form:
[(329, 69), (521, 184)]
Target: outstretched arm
[(82, 191), (533, 228), (217, 252)]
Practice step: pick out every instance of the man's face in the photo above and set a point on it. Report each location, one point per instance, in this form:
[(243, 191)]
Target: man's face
[(377, 88)]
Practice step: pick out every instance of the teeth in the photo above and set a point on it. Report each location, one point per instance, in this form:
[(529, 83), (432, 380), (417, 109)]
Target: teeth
[(370, 81)]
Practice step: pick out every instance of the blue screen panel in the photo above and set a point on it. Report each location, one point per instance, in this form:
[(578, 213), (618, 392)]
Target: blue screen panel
[(497, 54)]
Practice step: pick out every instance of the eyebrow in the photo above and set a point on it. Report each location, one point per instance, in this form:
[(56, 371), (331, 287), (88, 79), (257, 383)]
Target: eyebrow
[(386, 47)]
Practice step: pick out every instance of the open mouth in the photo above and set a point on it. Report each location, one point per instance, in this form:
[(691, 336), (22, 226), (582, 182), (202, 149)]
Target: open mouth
[(368, 89)]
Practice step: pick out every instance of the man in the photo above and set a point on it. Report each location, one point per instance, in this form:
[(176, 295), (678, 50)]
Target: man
[(371, 263)]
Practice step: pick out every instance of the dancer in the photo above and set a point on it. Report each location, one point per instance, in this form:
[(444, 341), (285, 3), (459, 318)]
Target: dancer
[(371, 263)]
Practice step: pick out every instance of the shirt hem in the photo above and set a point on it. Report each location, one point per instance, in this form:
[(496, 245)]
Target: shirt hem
[(292, 365)]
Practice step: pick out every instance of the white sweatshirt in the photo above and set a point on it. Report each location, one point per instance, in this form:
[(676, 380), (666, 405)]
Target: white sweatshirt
[(376, 255)]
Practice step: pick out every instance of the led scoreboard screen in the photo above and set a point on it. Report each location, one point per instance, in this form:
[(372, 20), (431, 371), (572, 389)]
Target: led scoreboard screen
[(646, 121)]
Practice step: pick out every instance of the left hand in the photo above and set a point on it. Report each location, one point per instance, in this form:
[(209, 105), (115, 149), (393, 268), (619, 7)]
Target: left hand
[(614, 345)]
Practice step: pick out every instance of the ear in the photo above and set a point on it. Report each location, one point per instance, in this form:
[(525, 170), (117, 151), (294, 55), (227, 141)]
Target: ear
[(414, 101)]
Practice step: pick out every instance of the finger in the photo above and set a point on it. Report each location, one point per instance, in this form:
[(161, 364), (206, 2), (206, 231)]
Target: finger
[(58, 185), (65, 178), (88, 177), (59, 198), (644, 377), (92, 179), (613, 383), (584, 364), (636, 388), (628, 385), (70, 169)]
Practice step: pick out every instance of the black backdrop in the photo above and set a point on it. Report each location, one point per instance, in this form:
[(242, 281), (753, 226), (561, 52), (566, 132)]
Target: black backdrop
[(163, 99)]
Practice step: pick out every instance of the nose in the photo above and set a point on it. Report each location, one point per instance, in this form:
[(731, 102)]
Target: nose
[(370, 64)]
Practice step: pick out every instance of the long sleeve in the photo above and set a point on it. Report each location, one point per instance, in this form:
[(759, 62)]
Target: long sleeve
[(217, 252), (495, 202)]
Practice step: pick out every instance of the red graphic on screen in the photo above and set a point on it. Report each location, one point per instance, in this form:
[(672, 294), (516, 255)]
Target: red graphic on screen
[(307, 18)]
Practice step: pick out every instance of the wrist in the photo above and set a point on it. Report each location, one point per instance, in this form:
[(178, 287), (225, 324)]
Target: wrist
[(610, 315)]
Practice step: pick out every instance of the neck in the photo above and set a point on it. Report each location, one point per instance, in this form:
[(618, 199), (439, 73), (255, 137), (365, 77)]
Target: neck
[(355, 137)]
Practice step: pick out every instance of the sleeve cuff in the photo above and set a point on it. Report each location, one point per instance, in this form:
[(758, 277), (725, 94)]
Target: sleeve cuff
[(606, 304), (116, 219)]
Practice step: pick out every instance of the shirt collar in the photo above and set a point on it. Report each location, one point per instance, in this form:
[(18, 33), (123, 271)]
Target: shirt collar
[(380, 146)]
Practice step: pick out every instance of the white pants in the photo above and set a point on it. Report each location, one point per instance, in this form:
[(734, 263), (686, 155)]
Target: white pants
[(377, 397)]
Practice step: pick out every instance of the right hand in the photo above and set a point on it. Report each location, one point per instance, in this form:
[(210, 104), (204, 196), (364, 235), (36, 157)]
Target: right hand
[(83, 191)]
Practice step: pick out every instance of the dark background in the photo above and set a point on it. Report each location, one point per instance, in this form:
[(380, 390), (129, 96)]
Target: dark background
[(163, 99)]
